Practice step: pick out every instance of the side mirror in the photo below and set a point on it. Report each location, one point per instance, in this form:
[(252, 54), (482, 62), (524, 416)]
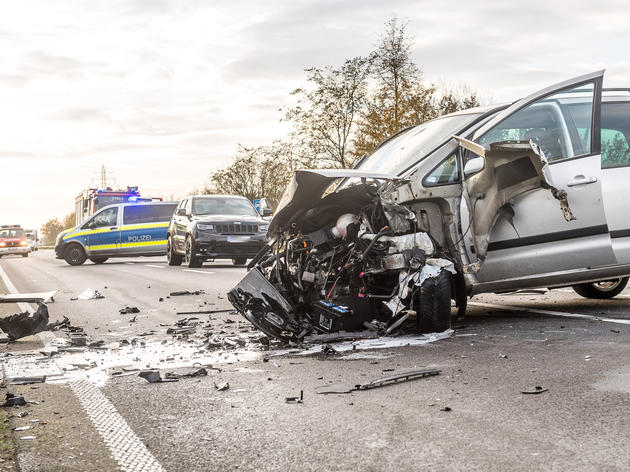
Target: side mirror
[(267, 212), (474, 165), (181, 212)]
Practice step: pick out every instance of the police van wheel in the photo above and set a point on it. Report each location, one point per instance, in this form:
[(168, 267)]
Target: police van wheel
[(239, 260), (74, 255), (98, 260), (173, 258), (190, 259)]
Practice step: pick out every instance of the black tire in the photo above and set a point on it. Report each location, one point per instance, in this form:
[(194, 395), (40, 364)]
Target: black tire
[(433, 304), (190, 259), (172, 257), (25, 255), (239, 261), (98, 260), (74, 254), (603, 289)]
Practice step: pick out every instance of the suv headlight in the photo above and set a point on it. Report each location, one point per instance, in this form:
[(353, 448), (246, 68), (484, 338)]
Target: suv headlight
[(205, 227), (263, 228)]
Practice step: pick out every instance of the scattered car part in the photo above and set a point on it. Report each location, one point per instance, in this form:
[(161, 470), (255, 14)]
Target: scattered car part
[(153, 376), (28, 380), (535, 391), (14, 400), (42, 297), (128, 310), (402, 377), (26, 324), (221, 386), (186, 292), (299, 399)]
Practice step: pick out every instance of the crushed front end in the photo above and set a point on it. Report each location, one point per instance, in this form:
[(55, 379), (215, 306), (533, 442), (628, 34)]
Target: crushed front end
[(348, 261)]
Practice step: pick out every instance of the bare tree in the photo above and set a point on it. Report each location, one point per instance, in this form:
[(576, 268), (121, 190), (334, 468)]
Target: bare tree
[(326, 114)]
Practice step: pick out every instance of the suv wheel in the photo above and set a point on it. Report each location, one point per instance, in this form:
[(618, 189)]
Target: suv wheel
[(603, 289), (239, 261), (98, 260), (190, 259), (433, 304), (173, 258), (74, 254)]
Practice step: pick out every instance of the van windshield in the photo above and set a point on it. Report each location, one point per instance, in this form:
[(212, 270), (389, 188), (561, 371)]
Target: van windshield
[(413, 145), (222, 206)]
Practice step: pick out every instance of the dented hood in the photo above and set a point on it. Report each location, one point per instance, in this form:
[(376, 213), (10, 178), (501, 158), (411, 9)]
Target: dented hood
[(307, 187)]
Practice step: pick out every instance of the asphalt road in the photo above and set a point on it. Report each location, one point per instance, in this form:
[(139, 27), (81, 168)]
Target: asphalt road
[(579, 423)]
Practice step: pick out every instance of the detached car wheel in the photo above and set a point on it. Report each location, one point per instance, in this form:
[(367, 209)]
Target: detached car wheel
[(74, 255), (173, 258), (190, 259), (239, 261), (433, 304), (98, 260), (602, 290)]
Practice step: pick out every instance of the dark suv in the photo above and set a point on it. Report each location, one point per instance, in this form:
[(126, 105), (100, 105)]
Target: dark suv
[(215, 227)]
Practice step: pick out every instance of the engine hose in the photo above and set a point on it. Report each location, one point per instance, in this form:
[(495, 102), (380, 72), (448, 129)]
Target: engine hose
[(382, 232)]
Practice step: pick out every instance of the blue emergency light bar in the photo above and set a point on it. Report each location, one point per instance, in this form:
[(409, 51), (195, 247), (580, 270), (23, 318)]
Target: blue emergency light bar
[(10, 226)]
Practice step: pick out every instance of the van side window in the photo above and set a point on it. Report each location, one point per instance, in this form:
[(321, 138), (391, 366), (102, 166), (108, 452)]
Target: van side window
[(615, 134), (105, 218), (446, 173), (147, 214), (560, 124)]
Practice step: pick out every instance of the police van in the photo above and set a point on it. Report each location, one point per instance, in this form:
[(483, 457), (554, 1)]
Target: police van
[(122, 230)]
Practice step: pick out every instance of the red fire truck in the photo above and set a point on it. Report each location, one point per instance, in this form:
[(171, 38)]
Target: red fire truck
[(91, 200)]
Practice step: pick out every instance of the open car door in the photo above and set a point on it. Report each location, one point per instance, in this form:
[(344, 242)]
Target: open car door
[(535, 204)]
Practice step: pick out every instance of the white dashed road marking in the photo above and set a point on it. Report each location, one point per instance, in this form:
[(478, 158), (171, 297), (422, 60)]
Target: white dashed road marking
[(125, 447), (154, 266), (198, 271)]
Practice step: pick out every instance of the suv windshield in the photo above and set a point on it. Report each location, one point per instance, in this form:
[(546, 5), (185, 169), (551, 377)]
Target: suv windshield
[(413, 145), (222, 206), (11, 233)]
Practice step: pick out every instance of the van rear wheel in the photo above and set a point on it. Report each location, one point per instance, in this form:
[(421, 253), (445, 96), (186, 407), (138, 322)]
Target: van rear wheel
[(74, 254), (602, 290)]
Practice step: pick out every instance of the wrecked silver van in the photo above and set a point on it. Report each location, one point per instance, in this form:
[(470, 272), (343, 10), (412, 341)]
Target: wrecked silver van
[(483, 200)]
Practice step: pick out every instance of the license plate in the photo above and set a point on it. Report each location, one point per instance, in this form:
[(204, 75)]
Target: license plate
[(237, 239), (13, 249)]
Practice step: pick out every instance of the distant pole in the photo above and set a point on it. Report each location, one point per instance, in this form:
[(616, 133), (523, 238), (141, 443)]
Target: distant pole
[(103, 177)]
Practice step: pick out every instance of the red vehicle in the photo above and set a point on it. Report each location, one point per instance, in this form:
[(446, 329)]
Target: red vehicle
[(13, 241)]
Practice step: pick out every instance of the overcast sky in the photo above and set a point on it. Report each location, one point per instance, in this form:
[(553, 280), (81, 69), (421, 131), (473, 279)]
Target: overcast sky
[(161, 92)]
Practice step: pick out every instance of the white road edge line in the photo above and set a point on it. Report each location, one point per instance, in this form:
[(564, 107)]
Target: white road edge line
[(551, 313), (198, 271), (124, 445), (5, 278), (126, 448)]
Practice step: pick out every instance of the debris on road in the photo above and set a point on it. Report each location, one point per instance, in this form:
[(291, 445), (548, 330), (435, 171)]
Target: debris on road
[(27, 438), (153, 376), (88, 294), (402, 377), (222, 386), (186, 372), (334, 389), (206, 312), (14, 400), (41, 297), (299, 399), (446, 408), (187, 292), (128, 310), (26, 324), (535, 391), (340, 336), (22, 428), (28, 380)]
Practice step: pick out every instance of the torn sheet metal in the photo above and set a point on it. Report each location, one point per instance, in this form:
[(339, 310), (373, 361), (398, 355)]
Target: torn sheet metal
[(26, 324), (511, 169)]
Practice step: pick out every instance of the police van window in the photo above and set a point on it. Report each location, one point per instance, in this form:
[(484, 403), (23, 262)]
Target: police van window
[(107, 217), (147, 214)]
